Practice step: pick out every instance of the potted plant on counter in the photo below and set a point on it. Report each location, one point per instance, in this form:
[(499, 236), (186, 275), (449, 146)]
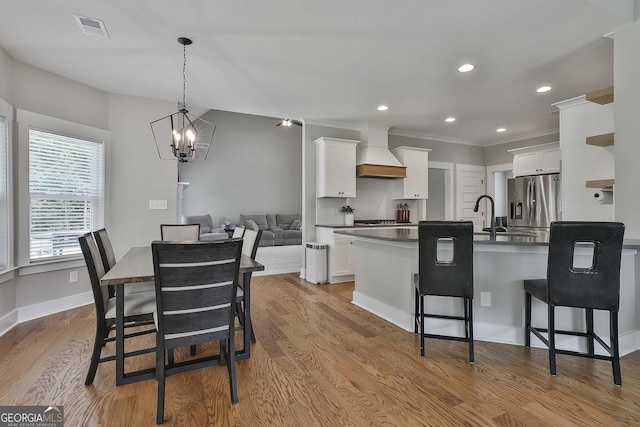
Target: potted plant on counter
[(348, 214)]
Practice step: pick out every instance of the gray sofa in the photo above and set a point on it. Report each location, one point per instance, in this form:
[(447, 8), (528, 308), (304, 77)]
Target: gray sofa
[(207, 230), (277, 229)]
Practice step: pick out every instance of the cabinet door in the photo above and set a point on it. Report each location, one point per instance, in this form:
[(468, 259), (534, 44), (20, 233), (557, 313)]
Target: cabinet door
[(336, 176), (416, 184), (526, 164), (550, 160), (343, 255)]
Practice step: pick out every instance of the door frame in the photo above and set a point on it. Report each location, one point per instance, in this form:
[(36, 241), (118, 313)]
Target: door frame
[(449, 194)]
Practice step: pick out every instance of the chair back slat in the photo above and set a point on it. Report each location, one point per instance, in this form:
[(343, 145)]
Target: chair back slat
[(96, 270), (196, 285), (251, 241), (238, 232), (180, 232), (106, 249), (446, 277), (596, 286)]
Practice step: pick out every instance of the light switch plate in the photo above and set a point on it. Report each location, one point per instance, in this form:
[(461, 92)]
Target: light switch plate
[(73, 277), (157, 204), (485, 299)]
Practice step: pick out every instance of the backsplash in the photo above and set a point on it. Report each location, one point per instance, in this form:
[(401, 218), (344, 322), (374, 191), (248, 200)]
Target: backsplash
[(374, 200)]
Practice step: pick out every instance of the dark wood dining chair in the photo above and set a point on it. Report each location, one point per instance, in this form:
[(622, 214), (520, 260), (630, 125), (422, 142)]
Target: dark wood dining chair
[(196, 284), (445, 276), (594, 285), (138, 309)]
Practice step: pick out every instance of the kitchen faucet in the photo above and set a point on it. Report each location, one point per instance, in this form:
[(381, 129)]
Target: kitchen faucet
[(492, 230)]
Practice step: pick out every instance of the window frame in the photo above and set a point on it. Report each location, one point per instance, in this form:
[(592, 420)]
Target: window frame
[(28, 120), (6, 110)]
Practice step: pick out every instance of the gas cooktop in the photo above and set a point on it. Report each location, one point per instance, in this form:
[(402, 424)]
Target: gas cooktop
[(379, 222)]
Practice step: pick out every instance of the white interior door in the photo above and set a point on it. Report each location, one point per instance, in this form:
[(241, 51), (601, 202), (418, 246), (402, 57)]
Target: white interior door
[(470, 184)]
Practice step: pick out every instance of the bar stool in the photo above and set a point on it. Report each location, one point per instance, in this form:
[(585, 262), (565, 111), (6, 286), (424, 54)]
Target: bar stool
[(451, 277), (594, 287)]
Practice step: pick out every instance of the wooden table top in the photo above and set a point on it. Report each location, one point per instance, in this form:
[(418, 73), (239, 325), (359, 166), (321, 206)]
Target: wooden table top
[(137, 266)]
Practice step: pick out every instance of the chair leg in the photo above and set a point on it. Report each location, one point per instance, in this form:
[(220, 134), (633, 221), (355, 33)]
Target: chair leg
[(615, 352), (231, 366), (590, 334), (469, 323), (160, 377), (98, 343), (193, 350), (552, 340), (422, 325), (527, 319), (170, 357)]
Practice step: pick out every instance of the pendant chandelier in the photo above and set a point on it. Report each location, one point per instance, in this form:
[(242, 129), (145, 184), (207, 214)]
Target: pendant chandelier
[(182, 135)]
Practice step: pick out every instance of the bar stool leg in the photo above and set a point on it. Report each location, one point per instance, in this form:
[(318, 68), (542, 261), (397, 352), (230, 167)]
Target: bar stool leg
[(416, 312), (422, 325), (527, 319), (590, 333), (470, 329), (615, 352), (552, 340)]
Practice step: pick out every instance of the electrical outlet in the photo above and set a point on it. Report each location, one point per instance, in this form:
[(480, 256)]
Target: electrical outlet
[(73, 277), (485, 299), (157, 204)]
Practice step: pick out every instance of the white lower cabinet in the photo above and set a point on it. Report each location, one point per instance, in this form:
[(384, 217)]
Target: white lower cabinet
[(343, 263), (340, 253)]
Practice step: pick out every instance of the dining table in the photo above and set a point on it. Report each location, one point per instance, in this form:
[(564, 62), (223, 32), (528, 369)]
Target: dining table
[(136, 266)]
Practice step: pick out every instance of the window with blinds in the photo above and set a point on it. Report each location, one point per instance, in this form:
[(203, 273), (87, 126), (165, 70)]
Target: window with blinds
[(66, 193)]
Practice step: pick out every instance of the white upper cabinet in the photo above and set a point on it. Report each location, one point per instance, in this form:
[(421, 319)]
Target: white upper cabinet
[(536, 160), (335, 167), (416, 184)]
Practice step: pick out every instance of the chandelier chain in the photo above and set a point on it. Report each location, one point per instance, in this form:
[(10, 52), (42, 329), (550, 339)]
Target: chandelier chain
[(184, 76)]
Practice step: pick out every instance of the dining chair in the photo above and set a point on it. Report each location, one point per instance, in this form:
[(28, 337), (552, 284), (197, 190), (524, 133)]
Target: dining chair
[(109, 260), (138, 308), (591, 285), (445, 268), (180, 232), (238, 232), (196, 284), (250, 243)]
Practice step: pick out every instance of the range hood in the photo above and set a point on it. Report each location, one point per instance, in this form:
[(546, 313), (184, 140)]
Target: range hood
[(373, 158)]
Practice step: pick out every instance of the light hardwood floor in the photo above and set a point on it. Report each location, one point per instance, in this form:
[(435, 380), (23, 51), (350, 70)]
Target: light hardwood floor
[(319, 361)]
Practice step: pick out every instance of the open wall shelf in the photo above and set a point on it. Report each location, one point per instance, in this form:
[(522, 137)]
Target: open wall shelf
[(600, 183), (602, 96), (603, 140)]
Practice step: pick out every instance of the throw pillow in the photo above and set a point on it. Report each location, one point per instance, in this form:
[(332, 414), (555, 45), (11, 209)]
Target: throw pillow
[(251, 225), (296, 225)]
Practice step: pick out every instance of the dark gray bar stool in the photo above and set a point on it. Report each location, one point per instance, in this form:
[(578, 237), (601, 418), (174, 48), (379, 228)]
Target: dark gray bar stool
[(594, 287), (451, 277)]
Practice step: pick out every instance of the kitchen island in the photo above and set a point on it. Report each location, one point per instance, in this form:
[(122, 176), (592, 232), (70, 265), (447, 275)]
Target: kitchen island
[(386, 261)]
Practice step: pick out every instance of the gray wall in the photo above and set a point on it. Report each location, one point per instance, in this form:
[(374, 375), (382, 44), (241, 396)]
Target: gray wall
[(253, 167), (442, 151)]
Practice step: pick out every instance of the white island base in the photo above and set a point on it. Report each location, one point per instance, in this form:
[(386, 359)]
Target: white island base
[(384, 271)]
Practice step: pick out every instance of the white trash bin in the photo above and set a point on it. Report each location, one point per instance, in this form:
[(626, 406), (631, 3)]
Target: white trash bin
[(316, 262)]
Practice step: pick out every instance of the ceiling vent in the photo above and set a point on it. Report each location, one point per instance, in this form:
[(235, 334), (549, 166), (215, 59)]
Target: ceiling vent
[(91, 26)]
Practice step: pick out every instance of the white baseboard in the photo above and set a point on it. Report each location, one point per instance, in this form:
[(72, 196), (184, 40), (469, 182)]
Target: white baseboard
[(8, 321), (55, 306)]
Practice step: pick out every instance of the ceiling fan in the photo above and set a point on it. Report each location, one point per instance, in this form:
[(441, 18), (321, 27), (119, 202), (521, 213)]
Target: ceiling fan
[(289, 122)]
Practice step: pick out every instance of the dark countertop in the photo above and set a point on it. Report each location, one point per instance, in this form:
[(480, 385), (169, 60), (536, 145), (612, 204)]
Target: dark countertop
[(410, 234)]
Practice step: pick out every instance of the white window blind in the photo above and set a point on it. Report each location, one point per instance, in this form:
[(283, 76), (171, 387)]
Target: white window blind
[(66, 193), (4, 213)]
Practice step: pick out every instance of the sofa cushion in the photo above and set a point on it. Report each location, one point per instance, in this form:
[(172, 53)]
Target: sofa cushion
[(260, 220), (296, 225), (251, 225), (284, 221)]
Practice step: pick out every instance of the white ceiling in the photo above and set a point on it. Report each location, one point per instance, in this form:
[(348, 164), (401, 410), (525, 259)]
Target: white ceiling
[(336, 60)]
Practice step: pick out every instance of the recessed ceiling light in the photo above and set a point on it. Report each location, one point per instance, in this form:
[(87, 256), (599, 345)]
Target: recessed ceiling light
[(450, 119), (543, 89), (465, 68), (501, 130), (383, 108)]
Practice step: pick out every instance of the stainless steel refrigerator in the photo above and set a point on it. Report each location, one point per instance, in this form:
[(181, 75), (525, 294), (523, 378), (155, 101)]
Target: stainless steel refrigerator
[(533, 201)]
